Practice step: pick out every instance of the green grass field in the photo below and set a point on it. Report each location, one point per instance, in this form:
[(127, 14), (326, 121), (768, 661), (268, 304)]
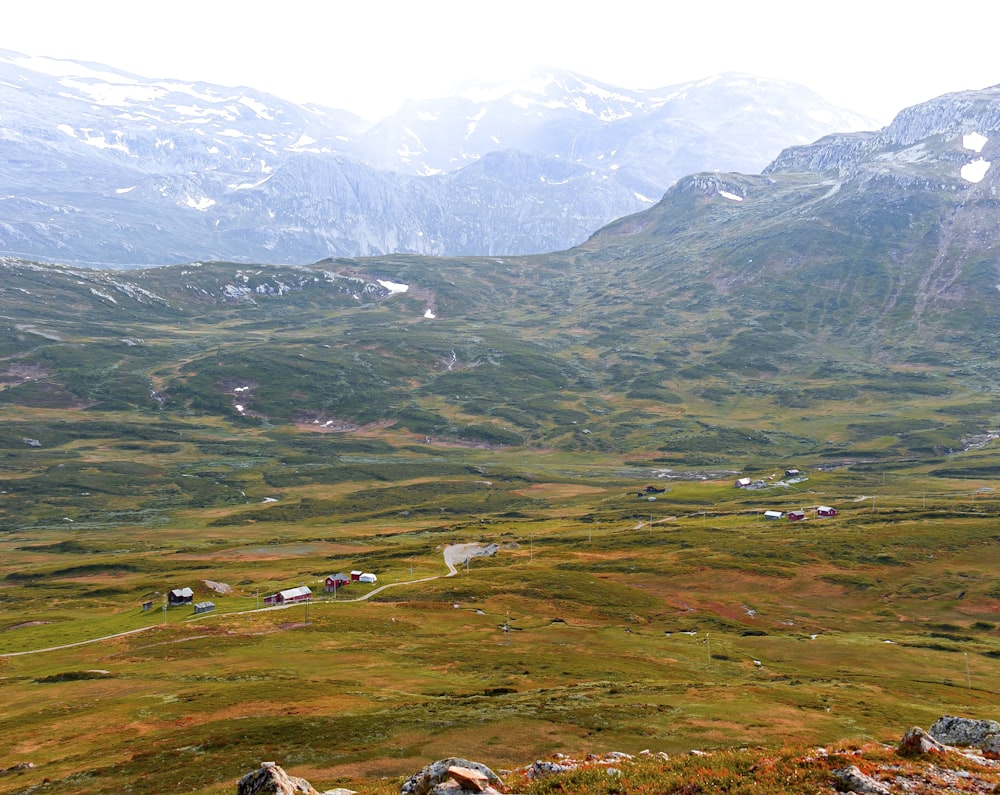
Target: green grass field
[(685, 622)]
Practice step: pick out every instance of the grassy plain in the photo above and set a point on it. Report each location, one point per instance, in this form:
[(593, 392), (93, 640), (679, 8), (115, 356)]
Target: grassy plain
[(685, 622)]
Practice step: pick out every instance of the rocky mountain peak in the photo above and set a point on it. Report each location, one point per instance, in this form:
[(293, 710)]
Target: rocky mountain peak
[(964, 120), (182, 171)]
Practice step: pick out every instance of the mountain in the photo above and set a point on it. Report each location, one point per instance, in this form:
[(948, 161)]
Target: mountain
[(107, 167), (858, 271)]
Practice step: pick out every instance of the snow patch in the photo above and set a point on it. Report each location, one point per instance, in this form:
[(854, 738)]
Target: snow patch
[(257, 107), (100, 142), (251, 185), (125, 190), (644, 199), (198, 204), (393, 287), (57, 68), (731, 196), (115, 95), (974, 141), (429, 315), (976, 170)]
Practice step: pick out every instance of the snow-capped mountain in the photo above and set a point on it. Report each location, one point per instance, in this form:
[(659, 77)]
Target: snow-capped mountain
[(105, 167)]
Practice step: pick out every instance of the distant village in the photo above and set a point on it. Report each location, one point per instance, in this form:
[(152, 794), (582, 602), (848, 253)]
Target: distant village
[(791, 476), (179, 597), (303, 593)]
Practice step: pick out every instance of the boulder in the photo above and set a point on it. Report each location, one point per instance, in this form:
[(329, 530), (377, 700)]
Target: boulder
[(917, 742), (469, 779), (269, 778), (851, 779), (541, 768), (991, 748), (424, 782), (982, 734)]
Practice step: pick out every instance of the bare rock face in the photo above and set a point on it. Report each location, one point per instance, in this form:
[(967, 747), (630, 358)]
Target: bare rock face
[(269, 778), (440, 772), (981, 734)]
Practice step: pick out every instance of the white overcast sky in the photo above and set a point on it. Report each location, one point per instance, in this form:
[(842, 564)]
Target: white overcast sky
[(368, 56)]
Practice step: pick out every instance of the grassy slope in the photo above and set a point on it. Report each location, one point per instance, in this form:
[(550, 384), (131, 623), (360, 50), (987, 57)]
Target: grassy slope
[(589, 586)]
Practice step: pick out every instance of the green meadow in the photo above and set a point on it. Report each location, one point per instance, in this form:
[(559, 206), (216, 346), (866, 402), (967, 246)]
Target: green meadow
[(605, 620)]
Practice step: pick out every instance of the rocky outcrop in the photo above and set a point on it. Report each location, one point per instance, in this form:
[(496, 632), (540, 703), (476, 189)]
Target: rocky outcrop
[(269, 778), (439, 777), (981, 734), (851, 779), (917, 742), (946, 117)]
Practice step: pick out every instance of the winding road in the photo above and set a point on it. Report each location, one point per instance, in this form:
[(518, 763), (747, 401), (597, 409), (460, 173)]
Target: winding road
[(454, 555)]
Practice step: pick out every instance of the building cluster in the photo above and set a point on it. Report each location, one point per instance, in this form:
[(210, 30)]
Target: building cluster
[(795, 516), (335, 581), (185, 596)]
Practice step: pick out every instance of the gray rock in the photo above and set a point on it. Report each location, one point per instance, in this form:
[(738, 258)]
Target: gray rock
[(269, 778), (966, 731), (851, 779), (917, 742), (991, 748), (540, 768), (425, 781)]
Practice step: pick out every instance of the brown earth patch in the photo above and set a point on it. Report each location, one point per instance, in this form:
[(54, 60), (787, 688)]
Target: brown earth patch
[(24, 371), (557, 490), (27, 624)]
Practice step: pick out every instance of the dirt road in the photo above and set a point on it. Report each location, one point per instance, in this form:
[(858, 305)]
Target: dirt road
[(454, 555)]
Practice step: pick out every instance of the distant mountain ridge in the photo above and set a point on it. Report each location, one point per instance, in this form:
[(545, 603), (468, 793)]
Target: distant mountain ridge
[(856, 271), (105, 167)]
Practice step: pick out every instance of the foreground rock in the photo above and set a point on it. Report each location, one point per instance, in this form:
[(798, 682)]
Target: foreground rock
[(269, 778), (917, 742), (981, 734), (851, 779), (452, 775)]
